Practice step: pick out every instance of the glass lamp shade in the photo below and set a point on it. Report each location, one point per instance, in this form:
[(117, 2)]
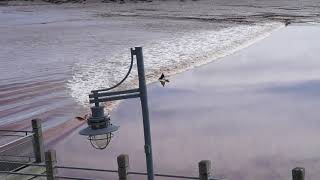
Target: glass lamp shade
[(100, 141), (99, 138)]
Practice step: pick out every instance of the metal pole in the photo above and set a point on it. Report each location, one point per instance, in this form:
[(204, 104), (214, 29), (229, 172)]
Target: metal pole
[(145, 111)]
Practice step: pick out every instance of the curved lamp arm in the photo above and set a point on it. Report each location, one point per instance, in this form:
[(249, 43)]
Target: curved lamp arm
[(119, 83)]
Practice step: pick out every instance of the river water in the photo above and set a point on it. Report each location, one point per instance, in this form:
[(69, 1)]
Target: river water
[(253, 114), (52, 56)]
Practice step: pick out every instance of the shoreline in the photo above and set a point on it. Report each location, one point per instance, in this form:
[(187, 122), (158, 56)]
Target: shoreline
[(278, 11)]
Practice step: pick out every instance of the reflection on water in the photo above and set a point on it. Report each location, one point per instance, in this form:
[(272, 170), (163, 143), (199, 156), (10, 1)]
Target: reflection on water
[(254, 114)]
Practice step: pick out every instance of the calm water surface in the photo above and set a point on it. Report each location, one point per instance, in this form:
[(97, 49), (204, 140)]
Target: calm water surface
[(254, 114)]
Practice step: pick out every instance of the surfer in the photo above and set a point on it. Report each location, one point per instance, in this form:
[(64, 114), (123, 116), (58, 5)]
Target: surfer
[(163, 80)]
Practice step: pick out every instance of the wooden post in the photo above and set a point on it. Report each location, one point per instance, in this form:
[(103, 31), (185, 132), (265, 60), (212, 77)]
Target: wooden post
[(37, 140), (204, 169), (51, 161), (123, 166), (298, 173)]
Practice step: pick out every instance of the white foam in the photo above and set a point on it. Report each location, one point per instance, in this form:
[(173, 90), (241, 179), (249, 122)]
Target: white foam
[(170, 56), (313, 23)]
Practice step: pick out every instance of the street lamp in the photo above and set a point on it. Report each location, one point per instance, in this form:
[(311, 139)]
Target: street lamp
[(99, 130)]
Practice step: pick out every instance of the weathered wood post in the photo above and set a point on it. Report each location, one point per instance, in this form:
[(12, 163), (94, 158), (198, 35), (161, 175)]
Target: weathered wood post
[(37, 140), (123, 166), (51, 161), (204, 169), (298, 173)]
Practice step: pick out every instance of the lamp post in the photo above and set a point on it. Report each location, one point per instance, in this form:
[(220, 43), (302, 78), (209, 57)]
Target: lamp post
[(99, 130)]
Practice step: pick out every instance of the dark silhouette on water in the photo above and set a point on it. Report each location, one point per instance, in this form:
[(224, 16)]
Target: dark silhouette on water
[(163, 80), (84, 118), (287, 22)]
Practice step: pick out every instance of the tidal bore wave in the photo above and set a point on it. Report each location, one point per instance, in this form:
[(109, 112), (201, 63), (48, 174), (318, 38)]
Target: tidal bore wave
[(170, 56)]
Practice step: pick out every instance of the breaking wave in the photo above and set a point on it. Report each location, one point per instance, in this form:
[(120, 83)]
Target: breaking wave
[(171, 56)]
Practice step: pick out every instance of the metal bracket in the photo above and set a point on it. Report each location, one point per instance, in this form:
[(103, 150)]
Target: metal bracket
[(133, 52), (147, 149), (97, 97)]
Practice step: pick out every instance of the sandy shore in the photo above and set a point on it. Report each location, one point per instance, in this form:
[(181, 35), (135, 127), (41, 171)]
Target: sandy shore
[(254, 114)]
